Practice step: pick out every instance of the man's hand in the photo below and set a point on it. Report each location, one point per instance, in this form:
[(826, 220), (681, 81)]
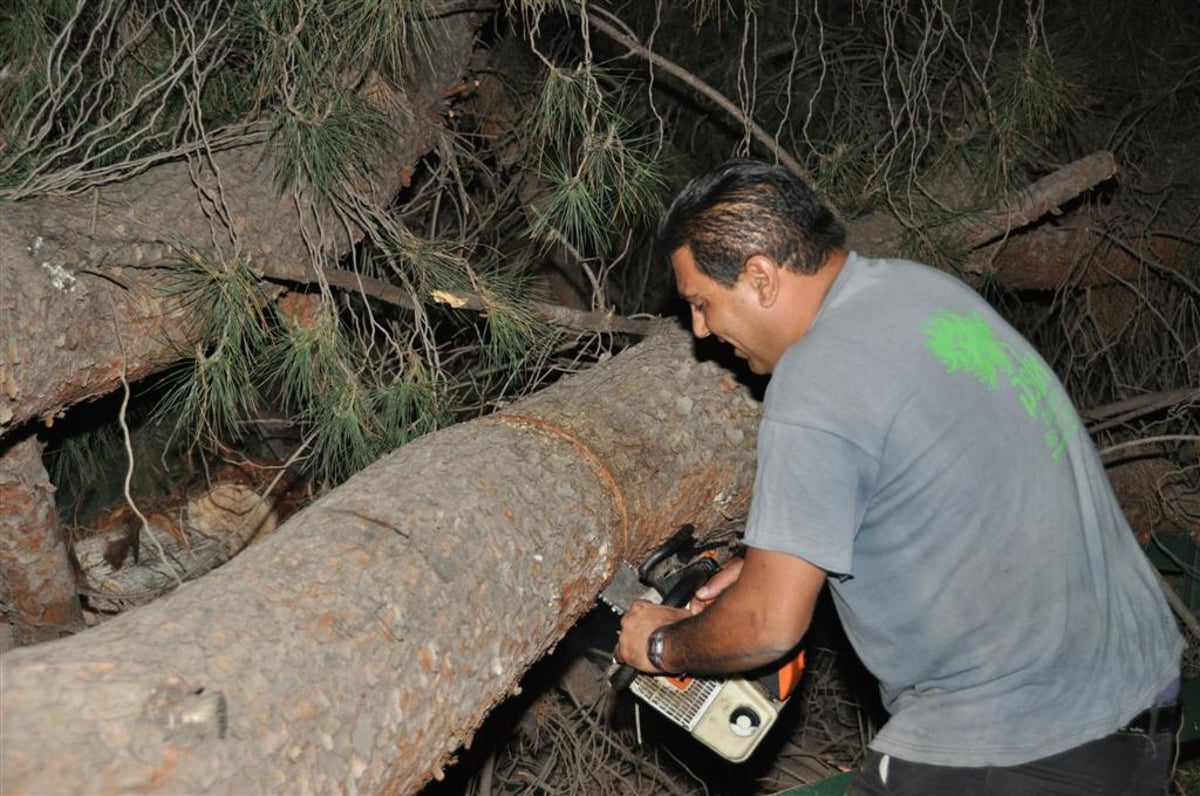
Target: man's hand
[(642, 619)]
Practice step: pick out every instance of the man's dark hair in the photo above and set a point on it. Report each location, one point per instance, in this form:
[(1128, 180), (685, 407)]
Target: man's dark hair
[(747, 207)]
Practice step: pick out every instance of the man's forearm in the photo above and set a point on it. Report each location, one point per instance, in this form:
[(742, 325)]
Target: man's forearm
[(712, 643), (753, 622)]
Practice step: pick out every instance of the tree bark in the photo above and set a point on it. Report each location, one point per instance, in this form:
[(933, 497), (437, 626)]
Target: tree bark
[(359, 646), (1084, 253), (36, 580)]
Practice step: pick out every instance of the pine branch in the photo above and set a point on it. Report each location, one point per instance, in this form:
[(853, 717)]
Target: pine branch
[(565, 317), (762, 136)]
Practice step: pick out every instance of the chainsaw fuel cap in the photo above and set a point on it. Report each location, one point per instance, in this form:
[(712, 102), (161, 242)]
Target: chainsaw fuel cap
[(744, 722)]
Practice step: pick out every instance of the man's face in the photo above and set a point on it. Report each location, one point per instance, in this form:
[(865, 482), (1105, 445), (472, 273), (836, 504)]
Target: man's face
[(736, 315)]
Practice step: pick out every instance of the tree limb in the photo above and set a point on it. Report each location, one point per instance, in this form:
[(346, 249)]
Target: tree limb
[(1035, 201), (1114, 453), (556, 314), (127, 228), (1118, 412)]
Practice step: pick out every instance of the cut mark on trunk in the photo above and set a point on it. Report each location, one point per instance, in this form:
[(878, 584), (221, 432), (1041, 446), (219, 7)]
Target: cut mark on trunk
[(596, 463)]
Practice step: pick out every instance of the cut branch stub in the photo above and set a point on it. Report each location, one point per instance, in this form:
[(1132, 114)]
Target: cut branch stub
[(358, 647)]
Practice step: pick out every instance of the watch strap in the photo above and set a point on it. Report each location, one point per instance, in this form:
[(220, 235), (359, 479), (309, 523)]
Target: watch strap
[(655, 646)]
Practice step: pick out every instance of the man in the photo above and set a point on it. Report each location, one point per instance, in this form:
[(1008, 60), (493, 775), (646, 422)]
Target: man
[(918, 455)]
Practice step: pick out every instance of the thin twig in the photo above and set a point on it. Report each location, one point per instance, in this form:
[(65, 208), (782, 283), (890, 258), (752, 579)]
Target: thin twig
[(768, 141), (126, 437)]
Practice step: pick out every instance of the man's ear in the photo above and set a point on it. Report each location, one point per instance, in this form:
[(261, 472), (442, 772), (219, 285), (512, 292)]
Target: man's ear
[(763, 275)]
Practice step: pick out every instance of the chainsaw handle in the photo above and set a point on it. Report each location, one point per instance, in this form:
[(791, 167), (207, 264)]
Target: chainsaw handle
[(672, 545), (689, 579)]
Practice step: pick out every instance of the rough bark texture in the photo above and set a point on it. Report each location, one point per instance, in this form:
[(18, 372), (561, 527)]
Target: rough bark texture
[(82, 278), (364, 642), (35, 577)]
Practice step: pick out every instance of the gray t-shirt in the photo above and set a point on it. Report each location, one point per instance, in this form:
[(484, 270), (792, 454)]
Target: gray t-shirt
[(917, 448)]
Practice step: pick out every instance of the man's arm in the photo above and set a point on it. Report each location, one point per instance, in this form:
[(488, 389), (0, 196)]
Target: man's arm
[(753, 622)]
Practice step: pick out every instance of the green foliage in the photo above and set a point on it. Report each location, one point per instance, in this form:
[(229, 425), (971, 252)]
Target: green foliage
[(92, 91), (215, 388), (305, 362), (332, 149), (425, 264), (317, 57), (567, 104), (601, 170), (514, 331), (387, 33), (844, 170), (353, 405), (356, 422), (26, 34), (81, 462), (98, 88), (308, 46), (1037, 99)]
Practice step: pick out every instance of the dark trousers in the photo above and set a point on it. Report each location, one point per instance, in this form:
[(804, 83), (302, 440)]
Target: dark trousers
[(1122, 764)]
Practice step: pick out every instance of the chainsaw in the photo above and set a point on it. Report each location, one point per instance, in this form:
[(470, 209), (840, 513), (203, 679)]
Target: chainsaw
[(730, 715)]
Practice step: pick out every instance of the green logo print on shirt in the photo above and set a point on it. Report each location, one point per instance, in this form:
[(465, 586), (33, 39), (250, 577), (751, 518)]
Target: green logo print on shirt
[(966, 342)]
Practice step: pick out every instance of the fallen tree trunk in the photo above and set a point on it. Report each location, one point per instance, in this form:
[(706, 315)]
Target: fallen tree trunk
[(359, 646)]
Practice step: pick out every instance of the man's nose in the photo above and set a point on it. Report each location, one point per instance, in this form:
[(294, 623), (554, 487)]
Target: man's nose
[(699, 327)]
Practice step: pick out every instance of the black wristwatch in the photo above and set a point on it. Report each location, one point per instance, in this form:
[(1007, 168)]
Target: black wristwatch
[(655, 643)]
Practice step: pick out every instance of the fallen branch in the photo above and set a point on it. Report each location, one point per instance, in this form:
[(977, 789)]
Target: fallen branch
[(556, 314), (46, 241), (1118, 412), (1115, 452), (1042, 197)]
